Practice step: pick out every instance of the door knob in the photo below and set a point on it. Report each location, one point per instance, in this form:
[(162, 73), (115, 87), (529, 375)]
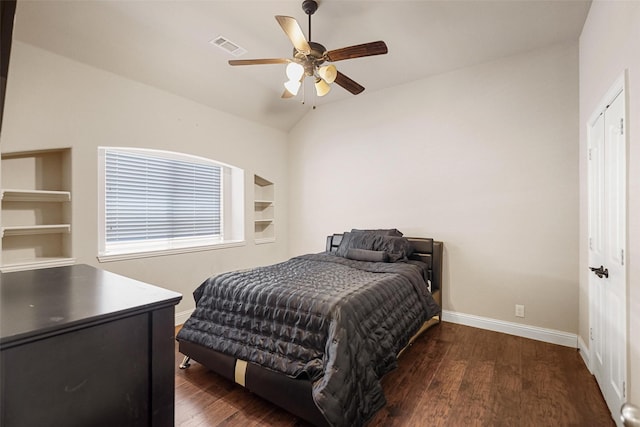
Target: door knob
[(600, 271), (630, 415)]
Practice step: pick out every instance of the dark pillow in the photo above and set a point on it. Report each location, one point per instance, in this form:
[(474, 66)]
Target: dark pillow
[(397, 248), (380, 231), (367, 255), (357, 240), (343, 247)]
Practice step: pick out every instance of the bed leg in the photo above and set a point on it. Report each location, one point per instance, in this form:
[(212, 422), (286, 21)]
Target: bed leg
[(185, 363)]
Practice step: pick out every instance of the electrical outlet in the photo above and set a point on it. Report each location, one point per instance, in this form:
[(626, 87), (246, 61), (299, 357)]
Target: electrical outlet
[(519, 310)]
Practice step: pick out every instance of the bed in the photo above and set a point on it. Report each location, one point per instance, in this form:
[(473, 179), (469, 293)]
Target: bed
[(315, 334)]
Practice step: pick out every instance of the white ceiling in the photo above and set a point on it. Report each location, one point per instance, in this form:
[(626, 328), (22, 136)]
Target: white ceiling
[(166, 43)]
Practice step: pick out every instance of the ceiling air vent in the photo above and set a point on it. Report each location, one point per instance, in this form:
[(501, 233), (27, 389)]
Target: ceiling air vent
[(228, 46)]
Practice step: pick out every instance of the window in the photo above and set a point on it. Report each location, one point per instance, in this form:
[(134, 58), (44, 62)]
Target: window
[(157, 202)]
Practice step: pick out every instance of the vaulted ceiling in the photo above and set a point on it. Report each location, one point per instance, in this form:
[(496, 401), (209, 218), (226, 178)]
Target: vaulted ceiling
[(166, 43)]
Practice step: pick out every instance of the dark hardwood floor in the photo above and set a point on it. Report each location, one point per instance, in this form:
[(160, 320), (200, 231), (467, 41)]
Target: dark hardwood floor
[(452, 375)]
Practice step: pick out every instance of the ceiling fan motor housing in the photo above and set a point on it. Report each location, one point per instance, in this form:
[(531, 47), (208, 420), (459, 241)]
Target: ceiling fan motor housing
[(313, 59), (309, 6)]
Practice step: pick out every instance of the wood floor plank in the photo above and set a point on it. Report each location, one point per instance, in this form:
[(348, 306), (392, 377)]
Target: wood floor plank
[(441, 393), (417, 368), (544, 391), (474, 396), (452, 375), (505, 395)]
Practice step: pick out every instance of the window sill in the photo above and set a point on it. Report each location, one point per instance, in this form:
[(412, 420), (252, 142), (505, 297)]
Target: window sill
[(163, 252)]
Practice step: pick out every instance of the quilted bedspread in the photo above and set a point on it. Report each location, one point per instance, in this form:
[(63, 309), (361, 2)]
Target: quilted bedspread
[(336, 321)]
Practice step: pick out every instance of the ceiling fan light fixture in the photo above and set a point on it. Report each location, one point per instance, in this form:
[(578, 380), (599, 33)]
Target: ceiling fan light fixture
[(328, 73), (295, 71), (292, 86), (322, 87)]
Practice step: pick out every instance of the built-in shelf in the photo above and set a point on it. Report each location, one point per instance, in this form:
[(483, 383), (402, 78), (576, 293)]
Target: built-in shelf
[(264, 221), (264, 210), (35, 221), (26, 230), (35, 263), (35, 196)]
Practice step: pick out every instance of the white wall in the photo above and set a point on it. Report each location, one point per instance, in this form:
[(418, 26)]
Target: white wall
[(483, 158), (609, 46), (54, 102)]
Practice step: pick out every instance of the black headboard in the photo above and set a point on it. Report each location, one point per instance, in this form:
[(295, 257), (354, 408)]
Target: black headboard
[(425, 249)]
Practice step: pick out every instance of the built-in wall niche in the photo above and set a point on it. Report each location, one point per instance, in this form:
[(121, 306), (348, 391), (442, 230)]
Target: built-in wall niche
[(35, 219), (264, 210)]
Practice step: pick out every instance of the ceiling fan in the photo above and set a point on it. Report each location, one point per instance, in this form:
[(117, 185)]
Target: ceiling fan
[(309, 58)]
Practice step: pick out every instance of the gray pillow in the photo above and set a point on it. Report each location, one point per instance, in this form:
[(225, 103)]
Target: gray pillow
[(357, 240), (397, 248), (367, 255), (343, 247), (380, 231)]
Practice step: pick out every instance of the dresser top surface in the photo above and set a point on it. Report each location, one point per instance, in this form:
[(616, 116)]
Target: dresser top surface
[(42, 302)]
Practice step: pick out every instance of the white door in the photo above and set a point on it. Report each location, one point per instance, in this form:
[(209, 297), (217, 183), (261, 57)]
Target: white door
[(607, 244)]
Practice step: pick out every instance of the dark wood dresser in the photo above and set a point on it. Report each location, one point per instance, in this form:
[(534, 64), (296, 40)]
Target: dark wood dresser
[(81, 346)]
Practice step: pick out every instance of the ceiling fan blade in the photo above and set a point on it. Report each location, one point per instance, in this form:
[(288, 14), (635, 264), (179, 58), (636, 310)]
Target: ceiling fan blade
[(259, 61), (357, 51), (286, 94), (295, 34), (348, 84)]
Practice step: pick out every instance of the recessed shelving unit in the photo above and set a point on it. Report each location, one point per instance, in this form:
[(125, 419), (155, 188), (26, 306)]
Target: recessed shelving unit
[(264, 212), (35, 223)]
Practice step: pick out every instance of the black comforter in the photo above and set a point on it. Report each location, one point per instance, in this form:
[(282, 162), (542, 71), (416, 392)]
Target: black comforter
[(336, 321)]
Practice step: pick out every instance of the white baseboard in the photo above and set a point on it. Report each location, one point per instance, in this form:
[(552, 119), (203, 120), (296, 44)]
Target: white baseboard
[(533, 332), (182, 317), (584, 352)]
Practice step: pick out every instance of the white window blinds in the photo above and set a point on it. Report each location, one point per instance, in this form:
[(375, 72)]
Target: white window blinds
[(158, 198)]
